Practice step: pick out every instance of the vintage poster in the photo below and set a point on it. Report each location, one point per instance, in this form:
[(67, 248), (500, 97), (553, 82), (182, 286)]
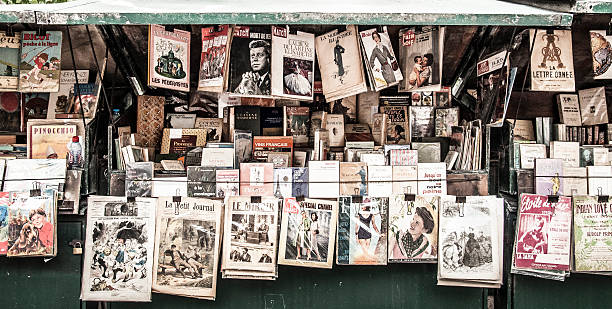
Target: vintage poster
[(493, 82), (187, 238), (214, 59), (339, 57), (413, 229), (24, 174), (9, 66), (58, 101), (552, 62), (362, 231), (543, 231), (592, 226), (469, 247), (32, 226), (250, 61), (292, 64), (10, 112), (380, 61), (50, 141), (4, 222), (169, 58), (119, 246), (421, 52), (308, 233), (39, 66), (250, 235)]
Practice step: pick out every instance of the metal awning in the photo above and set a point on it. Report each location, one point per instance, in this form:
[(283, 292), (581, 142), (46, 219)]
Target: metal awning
[(384, 12)]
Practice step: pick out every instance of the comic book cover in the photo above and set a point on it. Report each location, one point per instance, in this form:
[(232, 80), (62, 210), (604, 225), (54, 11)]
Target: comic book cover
[(552, 62), (187, 238), (362, 231), (308, 233), (543, 231), (9, 64), (380, 61), (169, 58), (32, 226), (119, 244), (250, 61), (39, 66), (592, 225), (214, 60), (421, 52), (292, 64), (250, 235), (413, 229), (4, 222)]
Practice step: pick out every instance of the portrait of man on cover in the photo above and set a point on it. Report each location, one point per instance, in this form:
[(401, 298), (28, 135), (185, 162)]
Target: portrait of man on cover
[(257, 81)]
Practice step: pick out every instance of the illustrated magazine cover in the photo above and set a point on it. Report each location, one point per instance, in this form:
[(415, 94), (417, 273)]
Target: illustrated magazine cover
[(413, 229), (39, 66), (169, 58)]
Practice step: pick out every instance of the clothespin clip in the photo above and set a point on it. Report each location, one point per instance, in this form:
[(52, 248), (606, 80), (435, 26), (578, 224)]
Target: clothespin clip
[(380, 28), (40, 31), (418, 28), (553, 198), (177, 198), (461, 201), (35, 191), (10, 32), (255, 199), (550, 31), (169, 28), (600, 197)]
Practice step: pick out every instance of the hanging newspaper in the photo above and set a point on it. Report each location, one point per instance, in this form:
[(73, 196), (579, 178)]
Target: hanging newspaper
[(552, 63), (39, 66), (592, 231), (308, 233), (169, 58), (413, 229), (362, 231), (293, 64), (214, 60), (380, 61), (420, 52), (187, 238), (118, 249), (250, 238)]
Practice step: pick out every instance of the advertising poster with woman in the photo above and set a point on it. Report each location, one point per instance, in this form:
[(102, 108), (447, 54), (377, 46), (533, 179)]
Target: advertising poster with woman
[(413, 229)]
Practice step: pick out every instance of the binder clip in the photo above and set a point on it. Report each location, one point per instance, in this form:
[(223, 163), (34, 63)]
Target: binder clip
[(460, 200), (177, 198), (550, 31), (131, 199), (35, 191), (357, 199), (299, 198), (409, 197), (169, 28), (600, 197), (9, 31), (609, 30), (553, 198), (40, 31), (255, 199)]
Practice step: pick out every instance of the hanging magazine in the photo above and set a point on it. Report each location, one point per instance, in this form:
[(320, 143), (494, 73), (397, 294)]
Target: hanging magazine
[(592, 231), (362, 231), (9, 66), (250, 237), (4, 222), (421, 52), (493, 81), (413, 229), (169, 58), (601, 50), (380, 61), (214, 60), (552, 62), (39, 66), (187, 238), (118, 249), (308, 233), (32, 226), (339, 57), (292, 64), (249, 67)]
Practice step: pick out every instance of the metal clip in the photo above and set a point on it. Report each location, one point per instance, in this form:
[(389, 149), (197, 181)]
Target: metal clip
[(357, 199), (553, 198), (131, 199), (177, 198), (409, 197), (35, 191), (255, 199), (299, 198)]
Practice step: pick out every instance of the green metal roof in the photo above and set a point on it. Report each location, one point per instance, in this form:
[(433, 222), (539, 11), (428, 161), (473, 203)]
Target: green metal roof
[(388, 12)]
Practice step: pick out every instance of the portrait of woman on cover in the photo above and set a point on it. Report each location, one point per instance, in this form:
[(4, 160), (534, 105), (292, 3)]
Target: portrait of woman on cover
[(412, 243), (384, 57), (365, 224)]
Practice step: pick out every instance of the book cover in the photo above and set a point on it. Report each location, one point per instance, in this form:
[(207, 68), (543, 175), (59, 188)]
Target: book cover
[(397, 127), (283, 180), (169, 53), (442, 98), (228, 182), (446, 118), (367, 106), (182, 140), (593, 106), (403, 157), (41, 55), (422, 121), (181, 121), (362, 231), (256, 179), (33, 106), (243, 147), (431, 178), (59, 101), (493, 81), (552, 67), (543, 233), (9, 53), (323, 179), (10, 112), (308, 233), (379, 128), (292, 64), (24, 173), (600, 156), (150, 119), (354, 133), (300, 182), (421, 52), (574, 181), (372, 157), (50, 141), (413, 229), (264, 145), (380, 61), (428, 152), (548, 175), (591, 241), (346, 106), (250, 59), (218, 157), (569, 152), (201, 181), (339, 57), (569, 109), (353, 176), (335, 127), (467, 184), (529, 152), (214, 59), (296, 121), (272, 121), (317, 122), (246, 118), (32, 226), (380, 180), (138, 179), (586, 156), (87, 96), (598, 180), (600, 51)]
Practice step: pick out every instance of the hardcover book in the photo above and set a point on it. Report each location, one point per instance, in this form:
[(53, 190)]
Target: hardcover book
[(431, 178), (529, 152), (293, 58), (380, 61), (150, 119), (169, 58), (421, 53), (569, 109), (243, 147), (283, 179), (250, 62), (214, 60), (41, 55), (403, 157), (213, 126), (300, 182), (422, 121), (446, 118), (323, 179), (9, 68), (593, 106), (201, 181), (138, 179), (228, 182), (428, 152), (354, 177), (272, 121), (182, 140), (413, 229), (50, 141), (256, 179), (397, 127), (567, 151), (296, 121), (264, 145), (32, 226), (552, 69), (218, 157), (59, 101)]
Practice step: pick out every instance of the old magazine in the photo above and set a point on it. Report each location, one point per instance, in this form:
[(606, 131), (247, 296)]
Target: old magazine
[(292, 64), (308, 233), (552, 63), (9, 67), (32, 225), (592, 226), (214, 59), (380, 61), (39, 66), (421, 52), (118, 249), (169, 58), (250, 59), (187, 238)]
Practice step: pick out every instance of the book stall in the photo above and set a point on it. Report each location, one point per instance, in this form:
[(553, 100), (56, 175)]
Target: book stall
[(225, 156)]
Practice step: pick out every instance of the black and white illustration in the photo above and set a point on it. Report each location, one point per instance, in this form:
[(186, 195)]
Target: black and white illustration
[(138, 179), (250, 59), (298, 77)]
